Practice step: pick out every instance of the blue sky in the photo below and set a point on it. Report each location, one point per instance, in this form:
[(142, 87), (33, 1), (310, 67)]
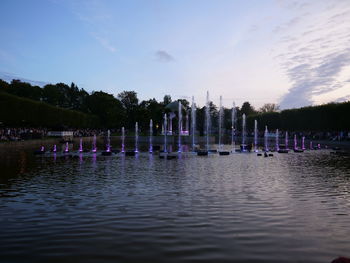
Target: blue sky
[(293, 53)]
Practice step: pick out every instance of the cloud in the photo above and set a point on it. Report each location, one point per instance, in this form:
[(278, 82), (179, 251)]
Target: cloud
[(343, 99), (8, 77), (105, 43), (98, 20), (315, 56), (163, 56)]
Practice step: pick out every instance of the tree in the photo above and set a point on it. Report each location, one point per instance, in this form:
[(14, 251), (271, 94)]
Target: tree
[(269, 107), (130, 103), (167, 100), (185, 103), (109, 110), (247, 109), (24, 89), (4, 85), (151, 109)]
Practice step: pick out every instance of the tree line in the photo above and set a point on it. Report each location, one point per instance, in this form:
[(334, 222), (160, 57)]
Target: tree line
[(71, 106)]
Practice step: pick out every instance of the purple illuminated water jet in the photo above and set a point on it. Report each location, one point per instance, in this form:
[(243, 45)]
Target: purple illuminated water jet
[(136, 137), (255, 135), (81, 145), (151, 136), (180, 126), (67, 148), (108, 146), (94, 148)]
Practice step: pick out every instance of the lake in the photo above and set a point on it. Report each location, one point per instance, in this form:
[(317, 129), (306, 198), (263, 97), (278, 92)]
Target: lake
[(238, 208)]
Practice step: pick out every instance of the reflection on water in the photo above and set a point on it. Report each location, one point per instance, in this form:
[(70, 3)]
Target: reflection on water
[(240, 208)]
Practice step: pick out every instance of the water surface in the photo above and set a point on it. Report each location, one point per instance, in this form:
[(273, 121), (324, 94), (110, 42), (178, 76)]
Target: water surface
[(238, 208)]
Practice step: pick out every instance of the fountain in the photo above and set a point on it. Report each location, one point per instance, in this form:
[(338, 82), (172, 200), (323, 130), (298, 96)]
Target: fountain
[(54, 150), (244, 146), (303, 143), (221, 115), (94, 148), (136, 137), (296, 149), (207, 120), (123, 140), (277, 146), (285, 149), (150, 136), (180, 126), (266, 146), (233, 127), (193, 121), (255, 136), (186, 131), (165, 133), (108, 145), (66, 150), (311, 147), (41, 151), (170, 125), (220, 124), (81, 145)]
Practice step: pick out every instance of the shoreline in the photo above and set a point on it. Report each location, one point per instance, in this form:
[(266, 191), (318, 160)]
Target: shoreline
[(156, 140)]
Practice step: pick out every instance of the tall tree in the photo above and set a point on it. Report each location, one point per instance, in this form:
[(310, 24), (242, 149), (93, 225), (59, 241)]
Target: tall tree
[(247, 109), (269, 107), (130, 103), (167, 100), (109, 110)]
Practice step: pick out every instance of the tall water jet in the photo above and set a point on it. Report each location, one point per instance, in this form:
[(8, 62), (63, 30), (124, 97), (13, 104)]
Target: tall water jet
[(81, 145), (207, 120), (151, 136), (303, 143), (311, 147), (193, 121), (233, 126), (123, 140), (67, 148), (286, 140), (277, 146), (180, 125), (108, 141), (295, 142), (186, 131), (94, 148), (136, 137), (266, 143), (170, 126), (243, 132), (165, 133), (220, 124), (255, 136)]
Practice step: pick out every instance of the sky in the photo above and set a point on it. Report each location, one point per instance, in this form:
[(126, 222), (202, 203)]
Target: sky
[(293, 53)]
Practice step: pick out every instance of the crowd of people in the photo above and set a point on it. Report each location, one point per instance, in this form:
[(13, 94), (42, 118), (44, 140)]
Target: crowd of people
[(19, 134), (329, 136)]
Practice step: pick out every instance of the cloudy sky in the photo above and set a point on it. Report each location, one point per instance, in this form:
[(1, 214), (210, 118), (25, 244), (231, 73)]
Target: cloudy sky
[(293, 53)]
